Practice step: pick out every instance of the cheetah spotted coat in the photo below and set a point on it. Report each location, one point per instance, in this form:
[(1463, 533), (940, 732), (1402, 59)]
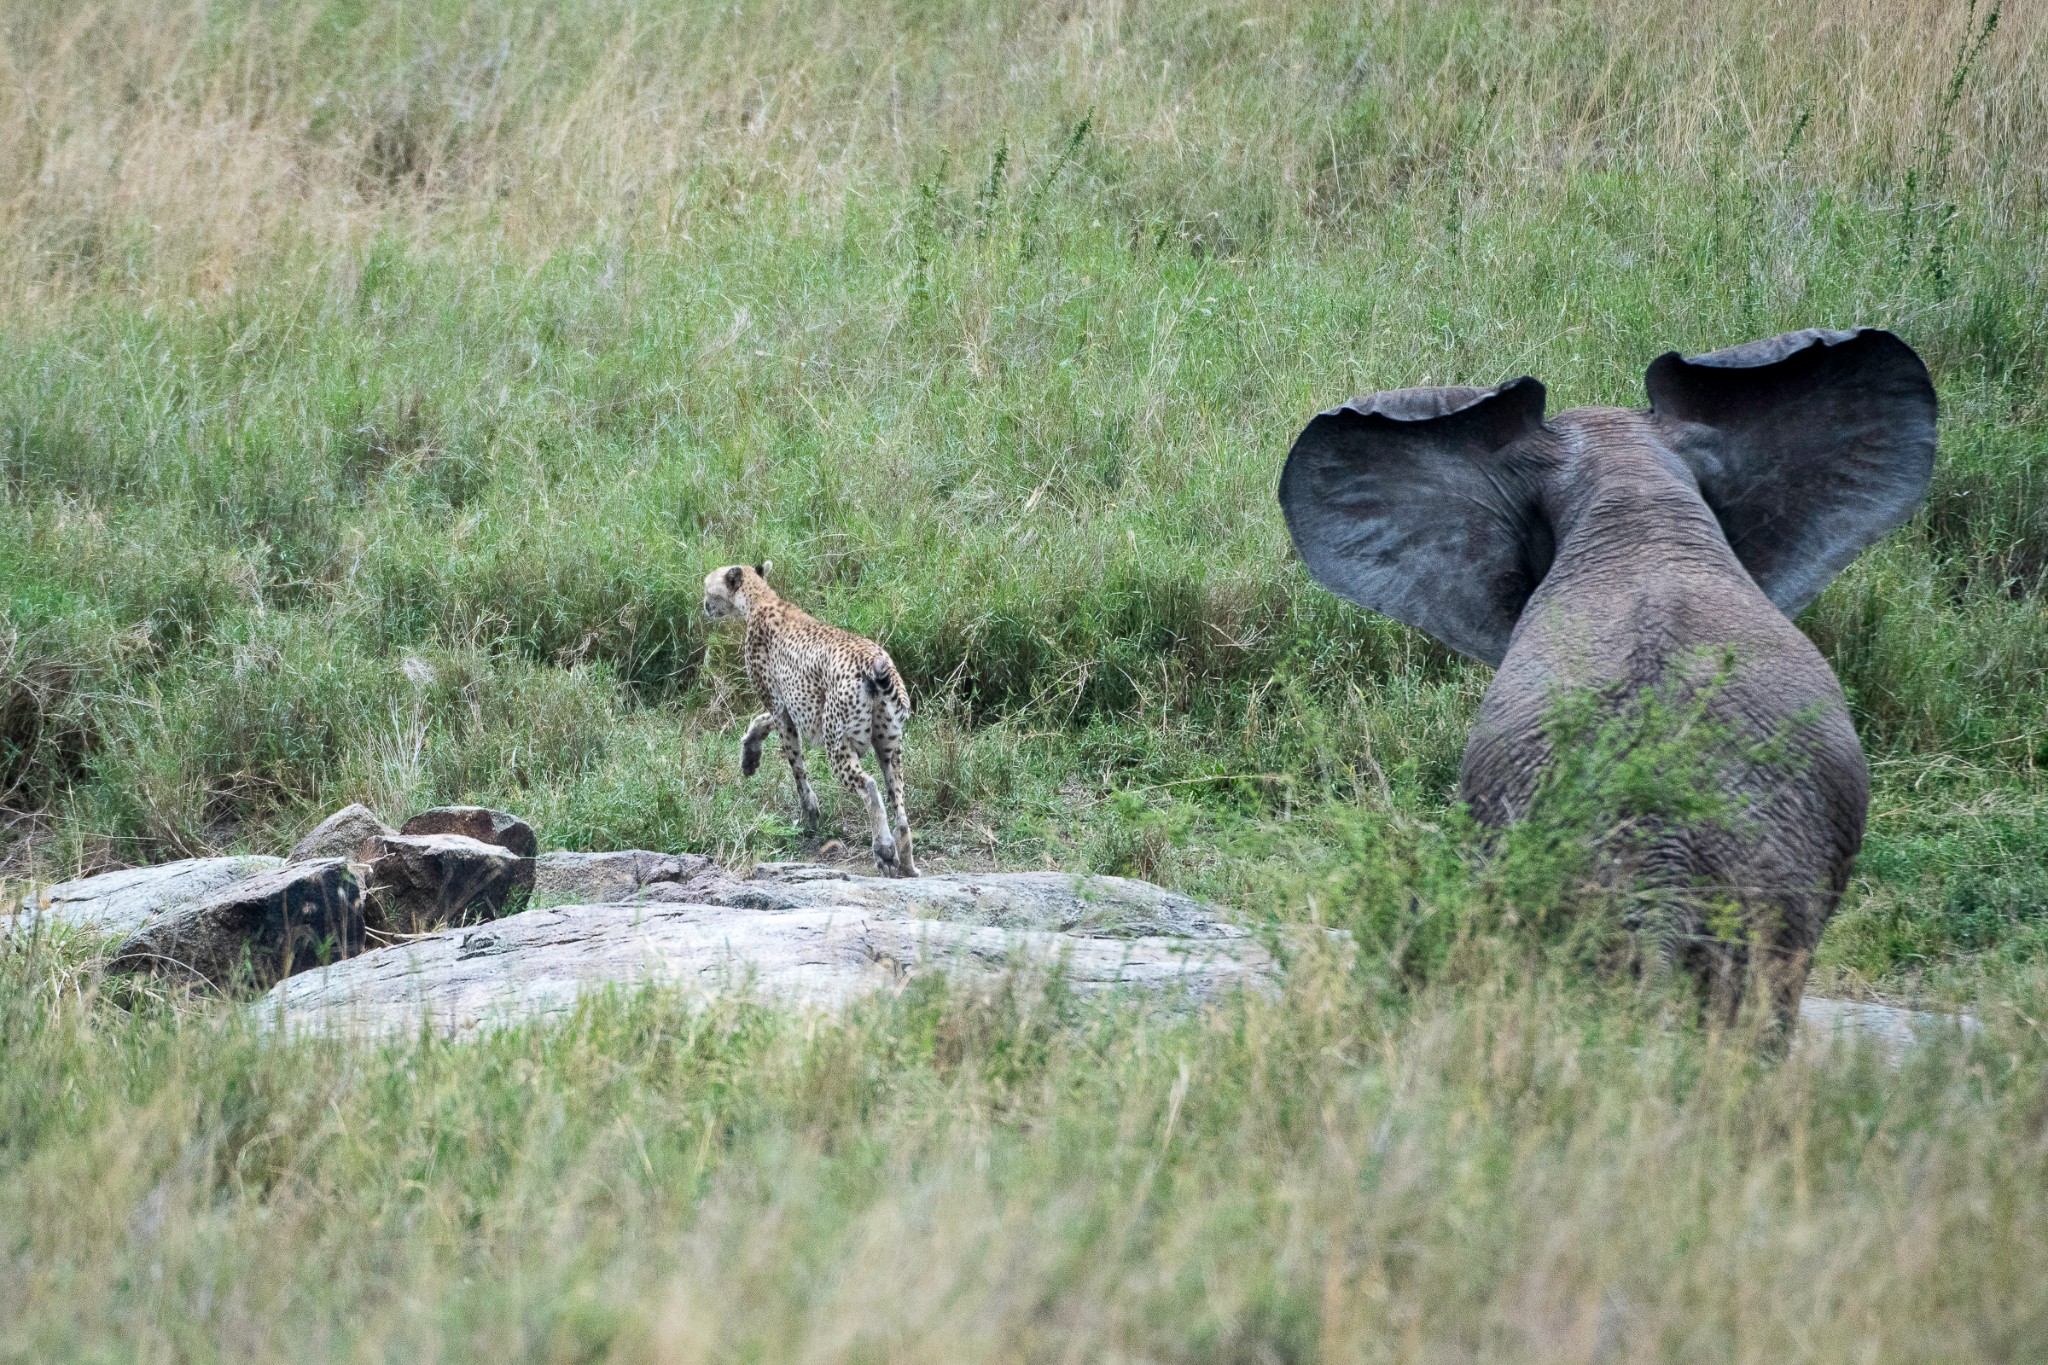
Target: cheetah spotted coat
[(824, 686)]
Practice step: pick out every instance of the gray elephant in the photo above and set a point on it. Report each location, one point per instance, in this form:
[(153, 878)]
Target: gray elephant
[(1607, 550)]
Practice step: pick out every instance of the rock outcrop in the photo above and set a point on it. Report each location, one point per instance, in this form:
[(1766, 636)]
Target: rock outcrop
[(340, 835), (477, 822), (597, 878), (819, 937), (795, 935), (1061, 902), (257, 930), (1891, 1028), (418, 883), (122, 902)]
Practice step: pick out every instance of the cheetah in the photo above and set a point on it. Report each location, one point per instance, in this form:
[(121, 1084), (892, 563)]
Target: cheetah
[(823, 686)]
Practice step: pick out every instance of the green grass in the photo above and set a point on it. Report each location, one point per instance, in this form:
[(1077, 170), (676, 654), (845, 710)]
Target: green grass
[(378, 382), (1511, 1169)]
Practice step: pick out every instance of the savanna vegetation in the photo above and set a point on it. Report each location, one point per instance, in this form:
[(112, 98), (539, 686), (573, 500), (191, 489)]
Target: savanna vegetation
[(378, 381)]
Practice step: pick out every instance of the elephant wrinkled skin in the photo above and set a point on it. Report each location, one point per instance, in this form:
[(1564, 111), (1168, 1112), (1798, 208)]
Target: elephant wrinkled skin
[(1618, 550)]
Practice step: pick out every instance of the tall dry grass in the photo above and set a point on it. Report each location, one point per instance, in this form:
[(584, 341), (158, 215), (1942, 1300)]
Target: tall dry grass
[(174, 152)]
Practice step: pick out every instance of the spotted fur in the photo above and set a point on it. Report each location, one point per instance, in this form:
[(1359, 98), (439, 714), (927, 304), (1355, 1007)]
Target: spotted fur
[(827, 687)]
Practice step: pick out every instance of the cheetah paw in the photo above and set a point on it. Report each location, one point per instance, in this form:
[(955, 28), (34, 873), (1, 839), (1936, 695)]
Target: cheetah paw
[(896, 863)]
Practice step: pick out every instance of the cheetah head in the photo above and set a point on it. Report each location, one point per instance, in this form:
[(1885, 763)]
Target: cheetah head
[(733, 590)]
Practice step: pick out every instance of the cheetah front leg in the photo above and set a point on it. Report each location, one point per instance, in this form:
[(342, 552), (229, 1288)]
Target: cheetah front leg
[(846, 763), (750, 743), (793, 750)]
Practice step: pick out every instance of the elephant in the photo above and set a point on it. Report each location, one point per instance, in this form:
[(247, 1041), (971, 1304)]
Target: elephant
[(1606, 551)]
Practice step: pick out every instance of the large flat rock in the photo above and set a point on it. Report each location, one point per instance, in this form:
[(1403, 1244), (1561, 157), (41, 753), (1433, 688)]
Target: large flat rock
[(1062, 902), (1892, 1029), (614, 878), (123, 902), (827, 939), (812, 936)]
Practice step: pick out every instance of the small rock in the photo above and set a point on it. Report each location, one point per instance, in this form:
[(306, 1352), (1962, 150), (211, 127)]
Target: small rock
[(422, 882), (476, 822), (122, 902), (260, 929), (340, 835), (601, 878)]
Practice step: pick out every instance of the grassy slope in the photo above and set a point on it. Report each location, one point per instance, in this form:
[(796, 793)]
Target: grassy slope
[(339, 336)]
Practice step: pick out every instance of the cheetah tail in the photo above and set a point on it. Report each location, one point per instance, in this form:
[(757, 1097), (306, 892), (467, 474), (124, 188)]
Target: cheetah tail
[(882, 682)]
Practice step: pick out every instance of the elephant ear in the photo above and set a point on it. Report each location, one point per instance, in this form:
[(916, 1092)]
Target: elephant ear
[(1419, 503), (1808, 446)]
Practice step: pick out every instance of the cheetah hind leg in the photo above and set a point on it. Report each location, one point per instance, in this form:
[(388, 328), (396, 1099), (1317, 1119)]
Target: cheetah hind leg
[(793, 750), (846, 763), (889, 754)]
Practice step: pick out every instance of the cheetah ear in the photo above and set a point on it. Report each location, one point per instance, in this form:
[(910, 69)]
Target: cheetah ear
[(763, 567), (734, 577)]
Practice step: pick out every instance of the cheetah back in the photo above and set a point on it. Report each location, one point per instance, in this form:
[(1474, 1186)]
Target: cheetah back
[(817, 675)]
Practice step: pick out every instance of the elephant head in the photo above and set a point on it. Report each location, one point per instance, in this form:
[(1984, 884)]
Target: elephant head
[(1598, 548)]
